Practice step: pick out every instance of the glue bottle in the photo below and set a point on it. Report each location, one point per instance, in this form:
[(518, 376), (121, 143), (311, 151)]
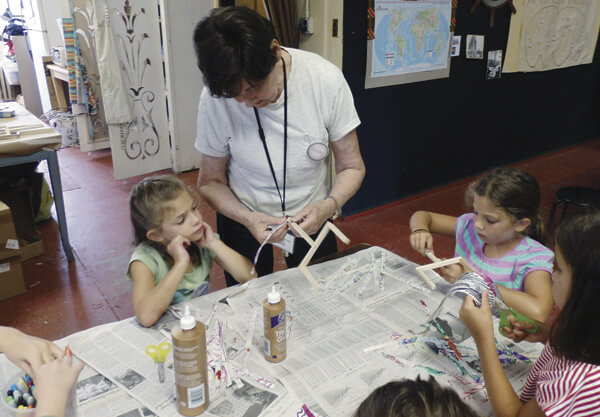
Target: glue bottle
[(274, 321), (189, 357)]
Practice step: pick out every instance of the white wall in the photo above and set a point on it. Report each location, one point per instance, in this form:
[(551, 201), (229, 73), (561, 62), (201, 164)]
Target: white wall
[(321, 41)]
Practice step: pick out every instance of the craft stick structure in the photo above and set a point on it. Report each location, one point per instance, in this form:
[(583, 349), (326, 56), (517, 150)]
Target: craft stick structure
[(438, 263), (314, 245)]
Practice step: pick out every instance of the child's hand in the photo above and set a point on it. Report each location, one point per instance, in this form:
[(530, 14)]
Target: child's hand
[(478, 319), (53, 383), (517, 331), (452, 272), (27, 352), (208, 236), (177, 248), (421, 240)]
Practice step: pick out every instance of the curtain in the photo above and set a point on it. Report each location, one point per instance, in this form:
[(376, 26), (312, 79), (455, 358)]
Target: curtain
[(283, 15)]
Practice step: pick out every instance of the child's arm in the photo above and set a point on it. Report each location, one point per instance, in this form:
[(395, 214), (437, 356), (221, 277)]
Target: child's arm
[(424, 223), (504, 400), (53, 384), (536, 301), (151, 301), (230, 260)]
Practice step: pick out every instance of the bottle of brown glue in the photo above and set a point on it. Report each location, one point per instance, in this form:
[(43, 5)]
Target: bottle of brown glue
[(274, 320), (189, 357)]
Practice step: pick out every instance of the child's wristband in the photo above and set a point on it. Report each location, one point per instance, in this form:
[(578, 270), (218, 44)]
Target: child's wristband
[(419, 230)]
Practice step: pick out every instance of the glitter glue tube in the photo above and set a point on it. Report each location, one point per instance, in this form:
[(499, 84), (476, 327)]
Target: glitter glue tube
[(189, 357), (274, 322)]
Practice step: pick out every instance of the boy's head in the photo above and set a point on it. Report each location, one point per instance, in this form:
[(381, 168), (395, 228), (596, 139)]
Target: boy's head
[(413, 398), (234, 44)]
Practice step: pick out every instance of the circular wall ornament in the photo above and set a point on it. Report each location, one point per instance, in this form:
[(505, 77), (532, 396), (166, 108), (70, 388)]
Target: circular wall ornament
[(493, 5)]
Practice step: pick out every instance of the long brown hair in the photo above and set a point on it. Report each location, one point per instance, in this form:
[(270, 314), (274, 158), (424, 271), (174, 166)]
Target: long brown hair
[(514, 191), (575, 333), (148, 202)]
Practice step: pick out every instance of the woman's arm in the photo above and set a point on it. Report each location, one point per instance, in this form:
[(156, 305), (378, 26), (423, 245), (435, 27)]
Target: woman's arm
[(213, 186), (349, 173)]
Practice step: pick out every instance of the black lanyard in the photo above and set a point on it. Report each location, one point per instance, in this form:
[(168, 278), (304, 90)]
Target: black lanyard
[(261, 133)]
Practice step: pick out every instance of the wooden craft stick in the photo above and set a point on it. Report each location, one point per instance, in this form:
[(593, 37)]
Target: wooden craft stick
[(316, 245), (301, 232), (338, 233), (310, 277), (439, 264)]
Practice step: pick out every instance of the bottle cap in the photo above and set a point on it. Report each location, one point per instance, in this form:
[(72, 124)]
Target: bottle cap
[(187, 322), (273, 297)]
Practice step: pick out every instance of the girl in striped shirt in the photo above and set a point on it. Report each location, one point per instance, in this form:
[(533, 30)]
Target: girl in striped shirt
[(500, 239), (565, 380)]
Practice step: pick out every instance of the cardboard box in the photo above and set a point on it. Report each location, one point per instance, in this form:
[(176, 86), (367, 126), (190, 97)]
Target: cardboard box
[(11, 274), (31, 245)]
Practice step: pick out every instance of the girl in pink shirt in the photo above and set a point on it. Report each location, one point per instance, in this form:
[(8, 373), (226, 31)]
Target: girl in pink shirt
[(565, 380)]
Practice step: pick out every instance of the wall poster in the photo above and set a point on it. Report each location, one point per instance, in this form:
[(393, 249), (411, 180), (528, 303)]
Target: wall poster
[(411, 42)]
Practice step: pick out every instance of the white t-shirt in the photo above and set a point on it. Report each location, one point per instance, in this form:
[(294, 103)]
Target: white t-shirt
[(320, 109)]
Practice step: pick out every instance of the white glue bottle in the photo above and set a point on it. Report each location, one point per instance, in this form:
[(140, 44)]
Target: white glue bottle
[(274, 322), (189, 357)]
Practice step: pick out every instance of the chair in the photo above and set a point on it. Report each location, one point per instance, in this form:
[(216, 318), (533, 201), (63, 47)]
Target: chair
[(588, 198)]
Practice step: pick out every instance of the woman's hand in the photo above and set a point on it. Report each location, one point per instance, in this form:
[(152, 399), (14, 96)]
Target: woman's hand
[(259, 225), (313, 216), (478, 319)]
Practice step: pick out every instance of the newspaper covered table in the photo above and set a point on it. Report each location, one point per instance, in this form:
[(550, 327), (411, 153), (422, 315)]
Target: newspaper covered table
[(366, 326)]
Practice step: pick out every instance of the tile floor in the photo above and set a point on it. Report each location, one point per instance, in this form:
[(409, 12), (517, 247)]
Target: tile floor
[(63, 297)]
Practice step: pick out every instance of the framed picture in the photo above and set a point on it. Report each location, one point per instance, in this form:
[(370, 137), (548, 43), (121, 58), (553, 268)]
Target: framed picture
[(475, 46), (494, 65)]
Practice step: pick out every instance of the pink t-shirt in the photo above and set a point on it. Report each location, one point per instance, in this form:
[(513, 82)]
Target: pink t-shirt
[(563, 387)]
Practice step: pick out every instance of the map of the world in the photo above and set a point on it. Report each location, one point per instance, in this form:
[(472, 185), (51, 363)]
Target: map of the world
[(410, 36)]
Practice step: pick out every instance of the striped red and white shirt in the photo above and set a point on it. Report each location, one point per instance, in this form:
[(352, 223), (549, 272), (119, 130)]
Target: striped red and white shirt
[(563, 387)]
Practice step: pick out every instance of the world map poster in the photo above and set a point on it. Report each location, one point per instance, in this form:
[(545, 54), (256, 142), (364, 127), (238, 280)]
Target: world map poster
[(552, 34), (410, 36)]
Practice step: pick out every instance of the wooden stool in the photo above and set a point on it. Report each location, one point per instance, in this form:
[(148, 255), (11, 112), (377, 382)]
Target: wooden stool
[(586, 197)]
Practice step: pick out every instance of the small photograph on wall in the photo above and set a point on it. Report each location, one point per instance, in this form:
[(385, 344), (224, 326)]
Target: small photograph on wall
[(475, 46), (494, 64), (455, 47)]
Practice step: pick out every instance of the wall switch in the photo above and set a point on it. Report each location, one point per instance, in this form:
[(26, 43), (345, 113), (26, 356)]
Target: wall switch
[(306, 25)]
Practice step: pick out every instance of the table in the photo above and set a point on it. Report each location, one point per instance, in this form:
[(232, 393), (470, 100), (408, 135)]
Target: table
[(35, 142), (59, 75), (364, 328)]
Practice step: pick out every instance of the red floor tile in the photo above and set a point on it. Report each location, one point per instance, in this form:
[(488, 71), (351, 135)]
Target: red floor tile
[(63, 298)]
